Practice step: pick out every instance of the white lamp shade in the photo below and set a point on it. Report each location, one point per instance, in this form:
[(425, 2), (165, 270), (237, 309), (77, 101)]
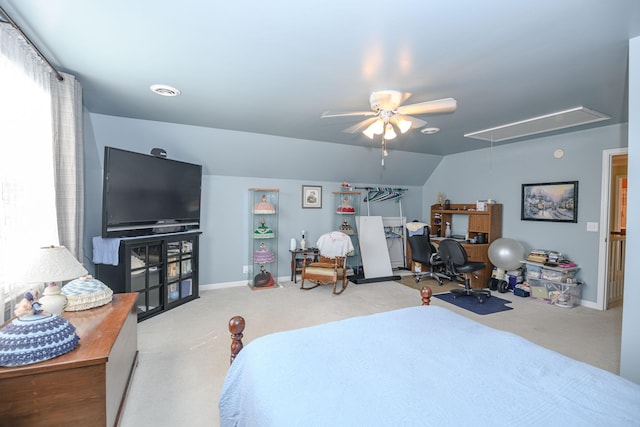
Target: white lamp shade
[(403, 125), (369, 132), (378, 127), (50, 264), (375, 128), (389, 133)]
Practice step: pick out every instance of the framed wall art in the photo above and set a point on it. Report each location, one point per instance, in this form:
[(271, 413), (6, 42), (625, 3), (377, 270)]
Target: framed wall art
[(551, 201), (312, 196)]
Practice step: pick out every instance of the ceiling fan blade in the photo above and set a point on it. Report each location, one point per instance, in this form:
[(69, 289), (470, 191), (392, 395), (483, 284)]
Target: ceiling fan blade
[(446, 105), (347, 114), (387, 99), (358, 127)]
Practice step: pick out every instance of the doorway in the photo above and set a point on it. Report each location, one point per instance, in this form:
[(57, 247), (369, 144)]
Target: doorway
[(612, 228)]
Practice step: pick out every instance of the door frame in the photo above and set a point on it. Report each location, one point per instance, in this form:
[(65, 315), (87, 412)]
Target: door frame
[(605, 209)]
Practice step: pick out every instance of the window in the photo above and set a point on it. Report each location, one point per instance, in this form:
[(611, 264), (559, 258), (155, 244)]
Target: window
[(27, 202)]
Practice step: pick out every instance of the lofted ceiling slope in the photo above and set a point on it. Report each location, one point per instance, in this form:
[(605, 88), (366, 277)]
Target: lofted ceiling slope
[(274, 67)]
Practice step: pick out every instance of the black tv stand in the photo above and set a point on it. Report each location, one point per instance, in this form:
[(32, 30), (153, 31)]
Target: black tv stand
[(162, 269)]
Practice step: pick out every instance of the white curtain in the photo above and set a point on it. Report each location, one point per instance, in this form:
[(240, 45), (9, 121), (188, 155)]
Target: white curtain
[(41, 162), (69, 160)]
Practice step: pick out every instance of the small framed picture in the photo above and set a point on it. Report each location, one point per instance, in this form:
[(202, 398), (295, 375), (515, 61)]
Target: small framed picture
[(312, 196), (552, 201)]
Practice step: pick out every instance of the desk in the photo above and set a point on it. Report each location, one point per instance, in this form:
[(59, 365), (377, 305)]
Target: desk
[(85, 387), (310, 255), (487, 222)]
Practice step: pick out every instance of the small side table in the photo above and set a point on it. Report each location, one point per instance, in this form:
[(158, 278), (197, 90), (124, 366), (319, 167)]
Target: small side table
[(298, 256)]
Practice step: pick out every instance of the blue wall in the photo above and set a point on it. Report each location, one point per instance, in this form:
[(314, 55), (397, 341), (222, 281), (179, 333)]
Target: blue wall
[(225, 221), (496, 173), (499, 173), (224, 244)]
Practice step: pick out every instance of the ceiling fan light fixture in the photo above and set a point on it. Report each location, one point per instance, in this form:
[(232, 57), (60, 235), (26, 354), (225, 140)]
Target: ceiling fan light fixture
[(388, 115), (389, 133), (375, 128), (369, 132), (403, 125), (378, 127)]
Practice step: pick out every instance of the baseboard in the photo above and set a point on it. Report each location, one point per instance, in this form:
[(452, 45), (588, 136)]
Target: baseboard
[(361, 280), (590, 304), (222, 285)]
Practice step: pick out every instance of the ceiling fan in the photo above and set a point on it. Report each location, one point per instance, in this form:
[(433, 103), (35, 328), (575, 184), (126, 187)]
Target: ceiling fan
[(387, 113)]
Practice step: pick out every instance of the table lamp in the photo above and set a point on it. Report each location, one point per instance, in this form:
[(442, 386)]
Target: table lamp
[(38, 332), (49, 265)]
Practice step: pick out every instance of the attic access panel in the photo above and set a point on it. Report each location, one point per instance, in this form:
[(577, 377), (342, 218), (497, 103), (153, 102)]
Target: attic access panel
[(547, 123)]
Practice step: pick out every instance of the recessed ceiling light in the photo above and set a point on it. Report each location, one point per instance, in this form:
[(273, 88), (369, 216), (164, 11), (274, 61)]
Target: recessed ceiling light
[(430, 131), (165, 90)]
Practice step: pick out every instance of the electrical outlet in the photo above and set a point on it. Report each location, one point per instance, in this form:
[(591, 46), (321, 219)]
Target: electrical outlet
[(245, 269)]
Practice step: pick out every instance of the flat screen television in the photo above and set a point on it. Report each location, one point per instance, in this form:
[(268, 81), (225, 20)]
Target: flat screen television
[(144, 194)]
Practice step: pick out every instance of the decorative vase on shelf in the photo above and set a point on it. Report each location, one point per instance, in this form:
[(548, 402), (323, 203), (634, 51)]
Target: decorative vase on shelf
[(303, 243), (292, 245)]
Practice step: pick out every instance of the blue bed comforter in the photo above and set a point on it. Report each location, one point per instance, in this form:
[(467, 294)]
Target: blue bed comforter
[(419, 366)]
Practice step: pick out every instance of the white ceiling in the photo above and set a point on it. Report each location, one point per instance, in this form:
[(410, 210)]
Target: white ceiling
[(273, 67)]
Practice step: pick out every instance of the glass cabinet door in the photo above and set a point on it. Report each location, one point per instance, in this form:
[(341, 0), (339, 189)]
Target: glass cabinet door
[(146, 276), (179, 270)]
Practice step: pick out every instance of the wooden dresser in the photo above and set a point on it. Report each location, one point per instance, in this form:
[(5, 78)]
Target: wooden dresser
[(85, 387)]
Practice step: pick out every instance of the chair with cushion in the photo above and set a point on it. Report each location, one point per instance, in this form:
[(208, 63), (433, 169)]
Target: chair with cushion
[(455, 260), (333, 248), (424, 253)]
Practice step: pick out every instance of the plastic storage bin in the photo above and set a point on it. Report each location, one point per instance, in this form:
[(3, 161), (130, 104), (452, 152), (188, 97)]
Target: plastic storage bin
[(533, 271), (565, 295), (556, 275)]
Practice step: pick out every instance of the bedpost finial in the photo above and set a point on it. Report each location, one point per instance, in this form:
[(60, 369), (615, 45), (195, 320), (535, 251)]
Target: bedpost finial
[(426, 294), (236, 327)]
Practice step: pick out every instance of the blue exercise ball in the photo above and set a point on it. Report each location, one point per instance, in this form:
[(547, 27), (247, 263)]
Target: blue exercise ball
[(506, 253)]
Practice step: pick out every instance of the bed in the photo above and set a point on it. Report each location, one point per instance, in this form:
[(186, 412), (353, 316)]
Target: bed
[(418, 366)]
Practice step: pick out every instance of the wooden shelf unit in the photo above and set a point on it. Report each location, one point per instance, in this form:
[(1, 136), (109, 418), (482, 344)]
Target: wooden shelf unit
[(488, 222)]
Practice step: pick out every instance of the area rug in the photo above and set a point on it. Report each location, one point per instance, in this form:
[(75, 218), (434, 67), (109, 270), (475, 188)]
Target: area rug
[(489, 306), (446, 287)]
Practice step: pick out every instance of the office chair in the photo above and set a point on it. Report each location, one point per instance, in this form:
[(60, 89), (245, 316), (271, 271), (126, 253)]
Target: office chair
[(455, 259), (332, 267), (423, 252)]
